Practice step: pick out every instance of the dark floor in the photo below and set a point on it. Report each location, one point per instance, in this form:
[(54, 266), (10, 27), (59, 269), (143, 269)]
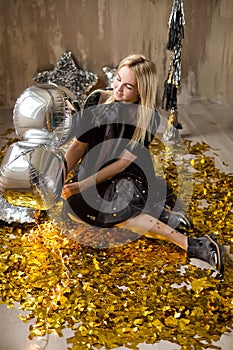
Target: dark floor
[(202, 122)]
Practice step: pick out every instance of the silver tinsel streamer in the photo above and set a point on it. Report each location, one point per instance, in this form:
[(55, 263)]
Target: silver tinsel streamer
[(176, 34), (67, 74)]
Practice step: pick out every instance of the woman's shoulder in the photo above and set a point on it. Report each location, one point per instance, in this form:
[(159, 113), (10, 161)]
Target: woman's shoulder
[(97, 97)]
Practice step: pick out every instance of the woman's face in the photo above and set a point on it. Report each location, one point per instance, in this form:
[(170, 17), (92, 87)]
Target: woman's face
[(125, 87)]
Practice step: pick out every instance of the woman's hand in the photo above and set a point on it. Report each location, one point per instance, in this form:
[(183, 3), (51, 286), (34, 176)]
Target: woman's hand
[(70, 189)]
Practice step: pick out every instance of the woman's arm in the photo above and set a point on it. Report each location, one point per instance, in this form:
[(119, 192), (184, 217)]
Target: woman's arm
[(74, 153), (102, 175), (106, 173)]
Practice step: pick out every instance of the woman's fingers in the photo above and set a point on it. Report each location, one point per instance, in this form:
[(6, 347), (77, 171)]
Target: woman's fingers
[(66, 193), (69, 190)]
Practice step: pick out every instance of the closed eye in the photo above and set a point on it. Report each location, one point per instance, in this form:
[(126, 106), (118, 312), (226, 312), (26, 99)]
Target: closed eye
[(129, 86), (118, 78)]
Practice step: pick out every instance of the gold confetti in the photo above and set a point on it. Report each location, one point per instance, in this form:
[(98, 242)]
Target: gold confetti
[(124, 295)]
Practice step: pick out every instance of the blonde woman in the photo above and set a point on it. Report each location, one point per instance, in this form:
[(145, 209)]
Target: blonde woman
[(116, 184)]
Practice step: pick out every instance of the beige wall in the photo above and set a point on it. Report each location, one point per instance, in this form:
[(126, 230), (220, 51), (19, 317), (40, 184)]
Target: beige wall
[(35, 33)]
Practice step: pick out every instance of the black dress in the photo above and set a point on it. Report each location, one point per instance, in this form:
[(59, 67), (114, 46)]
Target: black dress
[(108, 129)]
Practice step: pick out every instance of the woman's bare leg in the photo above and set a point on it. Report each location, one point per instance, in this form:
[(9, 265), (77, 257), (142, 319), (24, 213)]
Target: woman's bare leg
[(153, 228)]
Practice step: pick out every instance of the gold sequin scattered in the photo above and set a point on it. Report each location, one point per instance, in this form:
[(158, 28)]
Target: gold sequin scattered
[(141, 292), (24, 199)]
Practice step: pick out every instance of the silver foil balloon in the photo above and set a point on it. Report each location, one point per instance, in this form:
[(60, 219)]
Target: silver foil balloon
[(47, 170), (66, 73), (17, 205), (43, 114), (14, 171), (31, 175), (32, 170), (110, 74)]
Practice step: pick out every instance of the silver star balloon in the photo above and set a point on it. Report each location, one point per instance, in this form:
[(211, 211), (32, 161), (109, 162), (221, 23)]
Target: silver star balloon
[(67, 74)]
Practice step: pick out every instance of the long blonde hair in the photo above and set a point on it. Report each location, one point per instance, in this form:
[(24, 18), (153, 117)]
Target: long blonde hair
[(145, 74)]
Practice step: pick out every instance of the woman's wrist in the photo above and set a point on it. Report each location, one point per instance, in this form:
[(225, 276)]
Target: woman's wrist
[(87, 183)]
